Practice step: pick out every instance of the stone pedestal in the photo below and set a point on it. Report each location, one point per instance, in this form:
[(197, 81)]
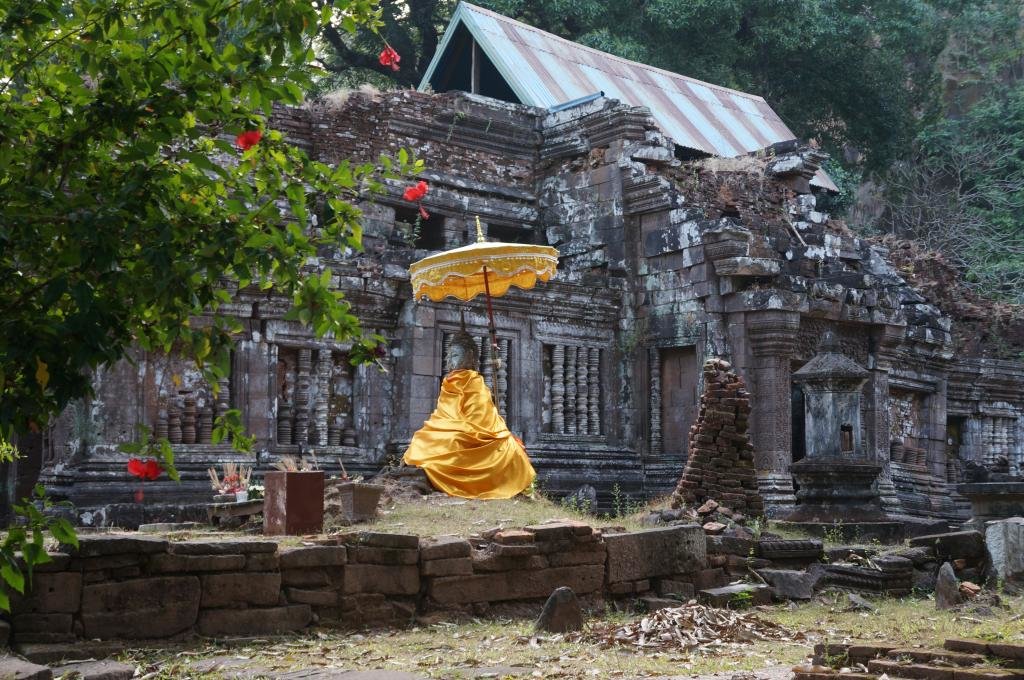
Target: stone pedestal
[(293, 503), (836, 490), (994, 500)]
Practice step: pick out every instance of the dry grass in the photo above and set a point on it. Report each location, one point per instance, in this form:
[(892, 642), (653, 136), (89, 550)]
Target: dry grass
[(455, 650)]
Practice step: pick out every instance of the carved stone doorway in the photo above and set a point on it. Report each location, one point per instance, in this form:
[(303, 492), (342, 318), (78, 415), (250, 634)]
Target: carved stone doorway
[(680, 377)]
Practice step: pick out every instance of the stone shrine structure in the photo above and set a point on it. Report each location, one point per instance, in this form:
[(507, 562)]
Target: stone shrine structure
[(669, 256), (837, 482)]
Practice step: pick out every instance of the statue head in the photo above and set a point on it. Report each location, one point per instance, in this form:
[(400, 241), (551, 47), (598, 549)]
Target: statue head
[(463, 353)]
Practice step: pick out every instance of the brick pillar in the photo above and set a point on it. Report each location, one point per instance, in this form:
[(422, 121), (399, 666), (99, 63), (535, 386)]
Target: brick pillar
[(773, 337)]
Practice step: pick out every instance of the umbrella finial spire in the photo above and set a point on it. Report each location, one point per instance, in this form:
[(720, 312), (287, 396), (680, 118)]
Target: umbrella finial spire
[(479, 231)]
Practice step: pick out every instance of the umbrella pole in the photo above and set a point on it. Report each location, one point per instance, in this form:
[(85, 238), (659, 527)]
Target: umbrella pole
[(494, 340)]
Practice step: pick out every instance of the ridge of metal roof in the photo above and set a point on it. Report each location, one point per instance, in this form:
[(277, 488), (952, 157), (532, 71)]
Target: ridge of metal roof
[(545, 70)]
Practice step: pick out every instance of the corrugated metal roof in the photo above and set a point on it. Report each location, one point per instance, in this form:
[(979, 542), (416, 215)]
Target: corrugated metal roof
[(544, 70)]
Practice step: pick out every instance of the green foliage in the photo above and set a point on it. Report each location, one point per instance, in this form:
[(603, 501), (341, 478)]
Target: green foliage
[(23, 546), (129, 215)]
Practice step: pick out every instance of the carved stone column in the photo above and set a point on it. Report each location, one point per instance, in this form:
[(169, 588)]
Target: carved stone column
[(654, 363), (570, 389), (594, 385), (582, 390), (558, 389), (773, 339)]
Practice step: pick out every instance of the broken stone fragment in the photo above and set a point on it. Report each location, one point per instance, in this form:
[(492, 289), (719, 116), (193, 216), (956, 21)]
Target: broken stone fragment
[(561, 613), (947, 588)]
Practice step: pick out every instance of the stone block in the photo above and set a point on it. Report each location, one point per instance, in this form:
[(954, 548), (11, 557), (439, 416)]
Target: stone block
[(140, 608), (179, 564), (969, 545), (365, 554), (515, 585), (305, 578), (13, 668), (316, 556), (293, 503), (656, 552), (788, 584), (222, 547), (247, 588), (50, 593), (97, 546), (261, 621), (1004, 540), (577, 557), (450, 567), (552, 531), (96, 670), (444, 548), (514, 537), (488, 561), (316, 598), (376, 539), (966, 646), (42, 627), (682, 590), (262, 562), (374, 578), (106, 562)]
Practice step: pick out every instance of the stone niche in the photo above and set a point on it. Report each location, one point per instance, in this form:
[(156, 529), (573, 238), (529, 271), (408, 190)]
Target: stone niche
[(314, 398), (486, 366)]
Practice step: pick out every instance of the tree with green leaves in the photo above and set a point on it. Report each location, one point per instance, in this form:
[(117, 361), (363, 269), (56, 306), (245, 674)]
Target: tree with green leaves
[(140, 187)]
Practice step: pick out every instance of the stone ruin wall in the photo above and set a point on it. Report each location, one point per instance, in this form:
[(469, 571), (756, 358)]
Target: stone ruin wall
[(664, 263)]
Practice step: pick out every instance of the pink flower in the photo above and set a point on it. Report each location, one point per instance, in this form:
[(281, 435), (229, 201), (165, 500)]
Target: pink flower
[(248, 139)]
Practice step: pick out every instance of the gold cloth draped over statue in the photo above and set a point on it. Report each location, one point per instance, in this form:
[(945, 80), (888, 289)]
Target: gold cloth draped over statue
[(465, 448)]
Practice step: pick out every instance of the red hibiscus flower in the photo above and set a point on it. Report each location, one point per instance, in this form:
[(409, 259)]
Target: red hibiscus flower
[(149, 469), (248, 139), (389, 57), (416, 193)]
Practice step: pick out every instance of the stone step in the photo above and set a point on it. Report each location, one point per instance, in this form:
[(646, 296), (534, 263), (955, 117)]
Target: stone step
[(825, 673), (736, 595), (920, 671), (1011, 654), (944, 656)]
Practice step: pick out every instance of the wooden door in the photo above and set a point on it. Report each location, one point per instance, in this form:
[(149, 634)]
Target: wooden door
[(679, 398)]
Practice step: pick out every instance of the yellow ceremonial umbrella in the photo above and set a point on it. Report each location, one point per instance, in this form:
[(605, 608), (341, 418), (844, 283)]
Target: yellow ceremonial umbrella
[(482, 267)]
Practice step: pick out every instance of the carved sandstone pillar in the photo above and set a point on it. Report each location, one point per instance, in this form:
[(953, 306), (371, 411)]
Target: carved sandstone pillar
[(773, 339), (558, 389), (594, 385), (654, 362), (886, 341)]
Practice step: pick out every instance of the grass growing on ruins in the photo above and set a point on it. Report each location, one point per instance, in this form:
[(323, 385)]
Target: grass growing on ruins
[(439, 515), (448, 650)]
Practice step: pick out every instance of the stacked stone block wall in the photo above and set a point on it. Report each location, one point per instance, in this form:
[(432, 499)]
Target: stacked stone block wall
[(121, 587)]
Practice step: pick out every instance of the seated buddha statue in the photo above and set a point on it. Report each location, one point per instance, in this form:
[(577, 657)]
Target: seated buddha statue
[(465, 448)]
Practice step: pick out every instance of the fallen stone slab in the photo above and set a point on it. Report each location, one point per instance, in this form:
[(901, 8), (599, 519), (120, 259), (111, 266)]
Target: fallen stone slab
[(13, 668), (957, 544), (57, 653), (790, 584), (657, 552), (736, 594), (95, 670)]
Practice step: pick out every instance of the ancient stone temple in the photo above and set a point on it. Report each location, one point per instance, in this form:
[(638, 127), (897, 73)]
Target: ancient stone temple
[(686, 219)]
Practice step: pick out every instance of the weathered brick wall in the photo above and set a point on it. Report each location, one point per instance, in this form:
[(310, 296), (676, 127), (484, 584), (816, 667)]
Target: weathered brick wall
[(130, 587)]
